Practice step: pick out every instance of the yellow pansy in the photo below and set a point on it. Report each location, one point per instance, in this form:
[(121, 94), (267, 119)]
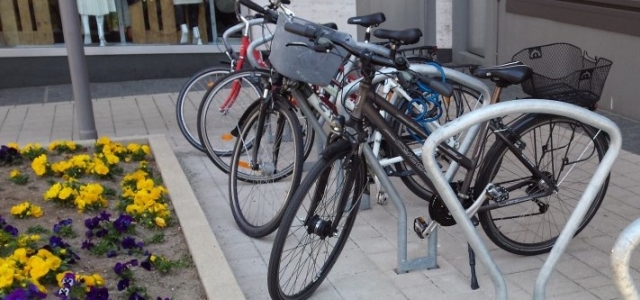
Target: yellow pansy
[(13, 145), (112, 159), (7, 273), (103, 141), (133, 147), (53, 191), (36, 211), (18, 209), (146, 184), (39, 267), (53, 145), (146, 149), (65, 193), (160, 222), (14, 173), (39, 165), (101, 169)]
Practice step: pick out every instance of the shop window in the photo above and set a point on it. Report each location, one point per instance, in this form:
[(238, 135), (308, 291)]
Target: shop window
[(612, 15), (25, 22), (37, 22)]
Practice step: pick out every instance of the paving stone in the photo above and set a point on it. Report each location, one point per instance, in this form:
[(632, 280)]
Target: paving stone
[(366, 268)]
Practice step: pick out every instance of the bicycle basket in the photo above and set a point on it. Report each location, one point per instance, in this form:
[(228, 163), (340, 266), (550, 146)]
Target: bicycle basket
[(301, 63), (564, 72)]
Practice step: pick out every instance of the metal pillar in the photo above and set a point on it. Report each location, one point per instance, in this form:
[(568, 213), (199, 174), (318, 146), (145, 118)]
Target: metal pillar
[(78, 69)]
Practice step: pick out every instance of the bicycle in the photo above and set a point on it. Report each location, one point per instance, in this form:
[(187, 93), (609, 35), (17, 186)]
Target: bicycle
[(256, 214), (322, 212), (224, 104), (195, 88)]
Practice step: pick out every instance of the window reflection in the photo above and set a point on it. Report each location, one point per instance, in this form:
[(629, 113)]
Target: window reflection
[(117, 22)]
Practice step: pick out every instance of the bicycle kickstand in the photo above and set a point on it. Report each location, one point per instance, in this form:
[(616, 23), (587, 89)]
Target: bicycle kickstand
[(472, 264)]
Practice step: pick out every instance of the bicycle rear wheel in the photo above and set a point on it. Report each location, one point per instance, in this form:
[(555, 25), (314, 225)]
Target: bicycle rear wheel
[(189, 99), (565, 150), (463, 100), (222, 108), (261, 185), (316, 224)]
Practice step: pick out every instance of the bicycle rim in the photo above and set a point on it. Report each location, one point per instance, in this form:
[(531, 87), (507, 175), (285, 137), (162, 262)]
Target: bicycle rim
[(563, 149), (189, 99), (260, 188), (215, 127), (305, 248)]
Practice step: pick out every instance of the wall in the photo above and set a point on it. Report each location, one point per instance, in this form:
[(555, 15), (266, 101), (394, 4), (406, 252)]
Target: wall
[(621, 90), (401, 14)]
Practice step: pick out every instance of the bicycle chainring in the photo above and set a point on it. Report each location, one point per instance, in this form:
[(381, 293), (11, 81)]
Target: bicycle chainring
[(438, 210)]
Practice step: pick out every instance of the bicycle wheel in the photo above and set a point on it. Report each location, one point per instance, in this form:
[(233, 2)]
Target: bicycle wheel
[(565, 150), (316, 224), (265, 168), (221, 109), (463, 100), (189, 99)]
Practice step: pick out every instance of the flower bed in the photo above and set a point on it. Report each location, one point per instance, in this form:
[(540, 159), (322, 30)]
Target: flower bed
[(89, 223)]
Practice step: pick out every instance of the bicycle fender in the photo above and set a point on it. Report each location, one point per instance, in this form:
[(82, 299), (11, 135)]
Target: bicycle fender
[(340, 146)]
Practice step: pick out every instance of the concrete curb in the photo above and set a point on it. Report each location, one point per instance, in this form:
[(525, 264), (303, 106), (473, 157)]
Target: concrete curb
[(214, 271)]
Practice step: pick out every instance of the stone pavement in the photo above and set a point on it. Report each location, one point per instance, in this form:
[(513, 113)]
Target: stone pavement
[(365, 268)]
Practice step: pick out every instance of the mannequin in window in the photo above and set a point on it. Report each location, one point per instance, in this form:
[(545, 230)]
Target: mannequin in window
[(192, 8), (97, 8)]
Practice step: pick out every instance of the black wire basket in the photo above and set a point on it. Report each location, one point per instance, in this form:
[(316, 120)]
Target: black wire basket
[(564, 72)]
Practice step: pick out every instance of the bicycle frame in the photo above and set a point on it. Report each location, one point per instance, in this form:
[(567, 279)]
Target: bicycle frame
[(509, 108)]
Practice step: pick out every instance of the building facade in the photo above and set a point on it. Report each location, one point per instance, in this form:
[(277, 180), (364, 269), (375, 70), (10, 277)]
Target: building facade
[(491, 31)]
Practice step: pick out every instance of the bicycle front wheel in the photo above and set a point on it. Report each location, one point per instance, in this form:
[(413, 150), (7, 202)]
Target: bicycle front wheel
[(221, 110), (189, 99), (265, 168), (316, 224), (563, 149)]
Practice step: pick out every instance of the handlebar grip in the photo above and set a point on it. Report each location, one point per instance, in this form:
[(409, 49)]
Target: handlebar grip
[(308, 31), (254, 6), (442, 88)]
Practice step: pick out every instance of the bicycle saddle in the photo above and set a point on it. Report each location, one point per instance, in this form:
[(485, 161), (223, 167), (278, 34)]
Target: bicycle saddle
[(405, 37), (368, 20), (504, 75)]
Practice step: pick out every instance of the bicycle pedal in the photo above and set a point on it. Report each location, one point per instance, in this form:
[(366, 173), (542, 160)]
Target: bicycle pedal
[(420, 226)]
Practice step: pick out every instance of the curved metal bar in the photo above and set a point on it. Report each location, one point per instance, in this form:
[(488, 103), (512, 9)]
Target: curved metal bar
[(620, 256), (256, 43), (518, 107), (236, 28)]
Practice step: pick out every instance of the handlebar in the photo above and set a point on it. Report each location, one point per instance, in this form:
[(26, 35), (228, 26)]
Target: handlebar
[(377, 54), (269, 14)]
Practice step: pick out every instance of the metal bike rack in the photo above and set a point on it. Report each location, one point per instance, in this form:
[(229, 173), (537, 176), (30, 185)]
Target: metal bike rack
[(620, 256), (429, 261), (519, 107)]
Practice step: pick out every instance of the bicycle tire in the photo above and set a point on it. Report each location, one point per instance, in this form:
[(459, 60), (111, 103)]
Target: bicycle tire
[(322, 180), (462, 100), (540, 137), (188, 102), (215, 127), (258, 196)]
